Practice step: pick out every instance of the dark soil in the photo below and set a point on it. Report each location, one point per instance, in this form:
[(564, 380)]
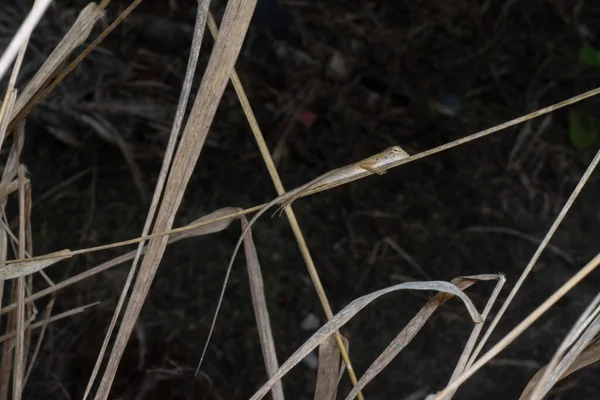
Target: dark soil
[(371, 75)]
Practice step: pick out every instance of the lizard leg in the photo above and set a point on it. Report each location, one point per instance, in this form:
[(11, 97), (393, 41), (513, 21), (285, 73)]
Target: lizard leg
[(284, 205), (368, 166)]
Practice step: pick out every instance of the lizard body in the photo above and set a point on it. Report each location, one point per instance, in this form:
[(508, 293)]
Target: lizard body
[(375, 164)]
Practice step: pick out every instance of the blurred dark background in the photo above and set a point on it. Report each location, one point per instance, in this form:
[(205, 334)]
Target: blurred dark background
[(331, 82)]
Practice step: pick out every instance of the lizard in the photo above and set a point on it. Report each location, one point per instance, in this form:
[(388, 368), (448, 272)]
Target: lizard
[(375, 164)]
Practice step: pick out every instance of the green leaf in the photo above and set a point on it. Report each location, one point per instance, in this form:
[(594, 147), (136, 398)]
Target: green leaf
[(589, 56), (582, 130)]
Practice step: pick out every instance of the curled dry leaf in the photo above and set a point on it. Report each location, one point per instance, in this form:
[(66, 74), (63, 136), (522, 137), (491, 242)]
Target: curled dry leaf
[(412, 328), (349, 312)]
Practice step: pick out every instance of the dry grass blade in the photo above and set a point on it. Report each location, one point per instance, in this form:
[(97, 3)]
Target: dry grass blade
[(75, 37), (349, 312), (19, 369), (561, 215), (329, 372), (522, 326), (580, 336), (259, 303), (43, 93), (22, 35), (412, 328), (587, 357), (236, 20), (11, 93), (199, 231), (23, 268), (166, 165), (289, 212)]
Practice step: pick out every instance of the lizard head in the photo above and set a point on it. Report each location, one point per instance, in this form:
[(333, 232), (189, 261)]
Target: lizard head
[(397, 150)]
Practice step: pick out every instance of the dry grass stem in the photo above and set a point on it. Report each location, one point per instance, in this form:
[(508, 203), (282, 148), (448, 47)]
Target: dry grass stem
[(19, 354), (22, 35)]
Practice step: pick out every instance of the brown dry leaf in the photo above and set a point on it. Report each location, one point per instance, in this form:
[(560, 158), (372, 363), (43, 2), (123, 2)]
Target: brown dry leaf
[(263, 322), (412, 328), (76, 36), (330, 369), (349, 312), (23, 268)]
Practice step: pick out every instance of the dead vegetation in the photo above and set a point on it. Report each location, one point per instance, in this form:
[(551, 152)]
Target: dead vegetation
[(69, 85)]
